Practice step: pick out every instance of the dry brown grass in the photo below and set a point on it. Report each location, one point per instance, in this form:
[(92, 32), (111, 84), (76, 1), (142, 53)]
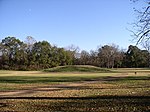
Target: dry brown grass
[(74, 91)]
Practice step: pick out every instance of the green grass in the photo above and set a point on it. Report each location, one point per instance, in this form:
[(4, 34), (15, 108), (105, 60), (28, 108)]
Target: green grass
[(119, 91), (79, 68), (131, 70)]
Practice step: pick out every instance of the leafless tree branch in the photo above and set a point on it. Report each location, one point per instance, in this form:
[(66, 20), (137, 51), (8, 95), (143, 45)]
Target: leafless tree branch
[(142, 25)]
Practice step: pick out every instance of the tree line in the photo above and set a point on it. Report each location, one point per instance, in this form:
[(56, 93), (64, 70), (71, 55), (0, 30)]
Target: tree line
[(33, 55)]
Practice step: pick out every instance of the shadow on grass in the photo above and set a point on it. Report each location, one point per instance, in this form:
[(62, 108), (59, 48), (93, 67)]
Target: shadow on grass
[(80, 98), (80, 104), (28, 79), (3, 105)]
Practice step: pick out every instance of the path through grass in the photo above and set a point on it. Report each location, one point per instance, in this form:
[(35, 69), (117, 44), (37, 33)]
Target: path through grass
[(31, 91)]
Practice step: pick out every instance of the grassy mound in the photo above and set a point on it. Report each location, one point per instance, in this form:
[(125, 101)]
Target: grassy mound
[(78, 68)]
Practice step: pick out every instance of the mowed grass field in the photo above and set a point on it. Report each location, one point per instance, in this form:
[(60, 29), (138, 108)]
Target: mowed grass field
[(114, 90)]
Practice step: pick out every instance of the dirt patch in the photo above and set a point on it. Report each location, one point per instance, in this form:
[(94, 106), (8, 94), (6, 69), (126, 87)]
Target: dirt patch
[(54, 87), (99, 83)]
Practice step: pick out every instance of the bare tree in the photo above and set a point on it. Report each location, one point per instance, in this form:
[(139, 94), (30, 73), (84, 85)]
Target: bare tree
[(84, 58), (107, 55), (142, 25), (30, 42), (74, 49)]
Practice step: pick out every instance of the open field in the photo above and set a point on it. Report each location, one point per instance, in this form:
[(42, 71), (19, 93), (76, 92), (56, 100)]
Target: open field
[(33, 91)]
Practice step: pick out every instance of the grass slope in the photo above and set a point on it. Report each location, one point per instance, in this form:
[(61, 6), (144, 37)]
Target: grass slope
[(78, 68)]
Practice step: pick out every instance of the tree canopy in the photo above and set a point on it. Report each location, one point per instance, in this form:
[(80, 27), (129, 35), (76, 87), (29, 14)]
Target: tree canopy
[(33, 55)]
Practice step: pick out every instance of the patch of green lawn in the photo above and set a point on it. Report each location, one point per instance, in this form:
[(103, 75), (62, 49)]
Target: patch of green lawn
[(98, 92), (79, 68)]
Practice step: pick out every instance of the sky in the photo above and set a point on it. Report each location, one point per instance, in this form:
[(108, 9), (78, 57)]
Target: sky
[(83, 23)]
